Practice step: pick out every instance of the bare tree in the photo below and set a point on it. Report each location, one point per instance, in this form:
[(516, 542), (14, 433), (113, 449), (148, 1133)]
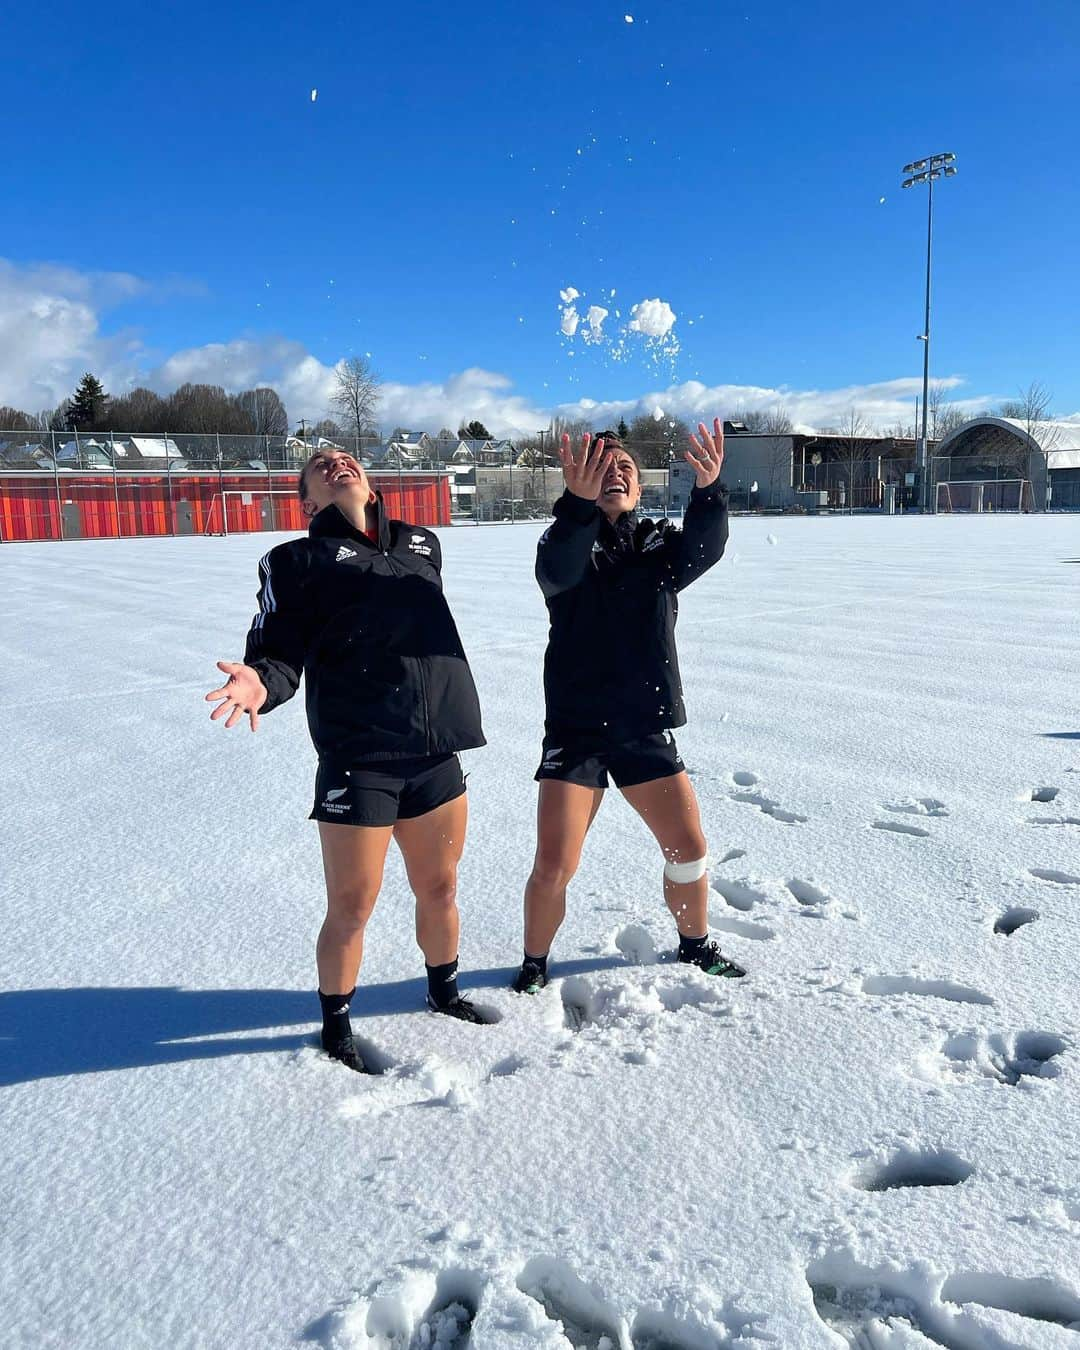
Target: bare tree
[(776, 425), (266, 411), (11, 419), (658, 440), (355, 399), (942, 417), (1032, 411), (327, 430), (852, 432), (574, 427)]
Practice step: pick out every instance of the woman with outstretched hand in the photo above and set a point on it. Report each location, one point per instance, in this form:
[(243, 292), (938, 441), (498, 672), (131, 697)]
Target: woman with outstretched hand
[(611, 682), (357, 608)]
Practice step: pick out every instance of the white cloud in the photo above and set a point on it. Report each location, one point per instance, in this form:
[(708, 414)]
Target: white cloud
[(50, 332)]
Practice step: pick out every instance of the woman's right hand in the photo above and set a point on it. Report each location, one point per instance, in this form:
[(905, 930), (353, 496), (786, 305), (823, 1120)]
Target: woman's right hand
[(242, 693), (584, 475)]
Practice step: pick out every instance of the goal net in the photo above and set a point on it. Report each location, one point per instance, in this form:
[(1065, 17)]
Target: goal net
[(998, 494), (239, 511)]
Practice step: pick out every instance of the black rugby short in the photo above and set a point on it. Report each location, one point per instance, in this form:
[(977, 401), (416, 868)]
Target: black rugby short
[(587, 761), (382, 794)]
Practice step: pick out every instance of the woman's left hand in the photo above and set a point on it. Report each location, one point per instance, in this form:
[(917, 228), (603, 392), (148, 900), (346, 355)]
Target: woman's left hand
[(706, 458)]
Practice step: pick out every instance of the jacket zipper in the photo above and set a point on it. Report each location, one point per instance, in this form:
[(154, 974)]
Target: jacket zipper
[(419, 668)]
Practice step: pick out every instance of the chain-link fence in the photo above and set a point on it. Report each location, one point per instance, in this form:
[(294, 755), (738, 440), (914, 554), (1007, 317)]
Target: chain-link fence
[(75, 485)]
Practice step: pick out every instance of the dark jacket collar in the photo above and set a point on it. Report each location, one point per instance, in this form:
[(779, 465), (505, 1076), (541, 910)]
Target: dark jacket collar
[(330, 523), (618, 536)]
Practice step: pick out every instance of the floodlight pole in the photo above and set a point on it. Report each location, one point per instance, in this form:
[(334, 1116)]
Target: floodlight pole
[(924, 490), (925, 171)]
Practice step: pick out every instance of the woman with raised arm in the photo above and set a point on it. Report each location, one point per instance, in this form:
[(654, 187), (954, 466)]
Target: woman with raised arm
[(357, 608), (611, 683)]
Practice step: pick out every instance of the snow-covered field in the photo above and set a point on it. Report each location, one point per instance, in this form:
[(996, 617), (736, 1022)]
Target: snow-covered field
[(873, 1140)]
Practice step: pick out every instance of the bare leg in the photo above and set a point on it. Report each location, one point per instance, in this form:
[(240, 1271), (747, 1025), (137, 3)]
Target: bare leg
[(669, 808), (432, 845), (353, 859), (563, 815)]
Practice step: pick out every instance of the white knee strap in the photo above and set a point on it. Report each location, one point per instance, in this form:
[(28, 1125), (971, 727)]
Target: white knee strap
[(681, 873)]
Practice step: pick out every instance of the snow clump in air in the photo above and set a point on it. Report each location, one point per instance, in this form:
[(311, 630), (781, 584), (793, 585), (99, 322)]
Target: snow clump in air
[(658, 414), (648, 334), (653, 318), (628, 18), (314, 95), (595, 319)]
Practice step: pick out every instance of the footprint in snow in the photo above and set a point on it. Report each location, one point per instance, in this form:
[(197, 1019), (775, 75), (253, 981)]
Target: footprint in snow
[(897, 828), (738, 894), (755, 932), (770, 808), (1001, 1057), (1052, 874), (909, 984), (420, 1309), (816, 903), (589, 1321), (908, 1168), (1054, 820), (1014, 918), (1044, 794), (633, 1005), (917, 806), (886, 1305)]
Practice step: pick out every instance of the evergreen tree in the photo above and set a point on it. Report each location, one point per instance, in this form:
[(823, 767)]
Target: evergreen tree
[(474, 431), (623, 429), (88, 406)]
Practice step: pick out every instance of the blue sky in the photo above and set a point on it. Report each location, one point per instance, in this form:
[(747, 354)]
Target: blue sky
[(186, 209)]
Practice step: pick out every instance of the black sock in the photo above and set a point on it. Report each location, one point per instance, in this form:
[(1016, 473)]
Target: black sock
[(540, 961), (689, 947), (442, 983), (335, 1017)]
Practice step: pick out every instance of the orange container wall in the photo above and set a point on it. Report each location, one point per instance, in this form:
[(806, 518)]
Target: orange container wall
[(99, 506)]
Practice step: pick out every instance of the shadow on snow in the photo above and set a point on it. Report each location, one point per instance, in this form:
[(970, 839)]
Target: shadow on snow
[(46, 1033)]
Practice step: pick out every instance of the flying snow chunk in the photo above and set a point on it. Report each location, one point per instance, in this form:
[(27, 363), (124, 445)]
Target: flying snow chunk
[(628, 18), (658, 414), (570, 320), (595, 319), (654, 318), (569, 295), (771, 539), (314, 95), (881, 201)]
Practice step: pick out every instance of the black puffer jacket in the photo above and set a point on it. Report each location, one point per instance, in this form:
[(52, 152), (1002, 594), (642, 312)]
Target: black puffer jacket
[(611, 670), (368, 626)]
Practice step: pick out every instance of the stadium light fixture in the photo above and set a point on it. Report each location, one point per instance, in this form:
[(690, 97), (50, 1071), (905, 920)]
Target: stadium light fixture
[(921, 171)]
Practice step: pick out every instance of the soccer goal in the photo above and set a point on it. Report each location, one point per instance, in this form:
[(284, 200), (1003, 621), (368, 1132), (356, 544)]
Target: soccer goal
[(236, 511), (995, 494)]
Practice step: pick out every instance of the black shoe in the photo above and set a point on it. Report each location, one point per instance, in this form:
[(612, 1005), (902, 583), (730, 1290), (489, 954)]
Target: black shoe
[(712, 961), (530, 979), (345, 1051), (459, 1008)]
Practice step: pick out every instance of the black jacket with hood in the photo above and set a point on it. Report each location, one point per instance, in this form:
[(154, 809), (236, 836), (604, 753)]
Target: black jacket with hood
[(611, 672), (368, 626)]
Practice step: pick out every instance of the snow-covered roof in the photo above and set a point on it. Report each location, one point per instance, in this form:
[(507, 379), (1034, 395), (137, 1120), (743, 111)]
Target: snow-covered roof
[(1063, 459), (156, 447), (1056, 434)]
